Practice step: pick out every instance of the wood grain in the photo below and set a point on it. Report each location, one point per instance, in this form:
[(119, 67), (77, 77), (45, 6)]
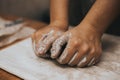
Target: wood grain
[(4, 75)]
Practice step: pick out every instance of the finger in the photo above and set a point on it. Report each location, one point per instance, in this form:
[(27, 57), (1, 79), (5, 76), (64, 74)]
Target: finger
[(67, 53), (43, 37), (78, 56), (46, 43), (91, 62), (58, 45), (34, 43), (36, 39), (98, 56), (83, 60), (39, 36), (34, 46), (91, 57), (38, 45), (87, 59), (33, 37)]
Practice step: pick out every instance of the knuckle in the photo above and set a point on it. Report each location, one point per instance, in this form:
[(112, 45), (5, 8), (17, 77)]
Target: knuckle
[(75, 43), (85, 48), (93, 50)]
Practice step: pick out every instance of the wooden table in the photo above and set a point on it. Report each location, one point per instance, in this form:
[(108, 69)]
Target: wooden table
[(4, 75)]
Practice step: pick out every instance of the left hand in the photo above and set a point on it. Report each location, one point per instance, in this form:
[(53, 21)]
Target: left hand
[(82, 47), (42, 39)]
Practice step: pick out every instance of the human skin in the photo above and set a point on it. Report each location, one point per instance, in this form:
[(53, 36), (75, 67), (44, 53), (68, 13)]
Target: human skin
[(83, 43), (43, 38)]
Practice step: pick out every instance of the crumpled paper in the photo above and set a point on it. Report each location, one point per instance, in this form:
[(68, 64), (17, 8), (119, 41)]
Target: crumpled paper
[(5, 31), (20, 60), (13, 33)]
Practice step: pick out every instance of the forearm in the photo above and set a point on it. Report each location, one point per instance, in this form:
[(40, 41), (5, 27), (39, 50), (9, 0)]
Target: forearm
[(102, 13), (59, 12)]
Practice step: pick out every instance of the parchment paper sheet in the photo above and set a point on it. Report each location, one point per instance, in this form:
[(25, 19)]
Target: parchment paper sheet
[(20, 60)]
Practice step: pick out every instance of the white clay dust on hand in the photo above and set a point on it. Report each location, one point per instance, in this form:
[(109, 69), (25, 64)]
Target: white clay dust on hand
[(70, 49), (44, 44), (62, 49), (58, 46)]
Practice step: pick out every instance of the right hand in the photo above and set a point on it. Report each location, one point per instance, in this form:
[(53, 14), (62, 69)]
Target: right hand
[(42, 39)]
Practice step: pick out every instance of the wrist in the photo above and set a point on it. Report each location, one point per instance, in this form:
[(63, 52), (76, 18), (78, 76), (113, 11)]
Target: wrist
[(90, 29), (62, 25), (95, 25)]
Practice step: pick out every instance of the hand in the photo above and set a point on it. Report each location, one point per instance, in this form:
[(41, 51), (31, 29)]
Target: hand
[(43, 39), (82, 47)]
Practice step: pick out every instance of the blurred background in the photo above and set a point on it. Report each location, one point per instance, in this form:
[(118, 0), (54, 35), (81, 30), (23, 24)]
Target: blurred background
[(39, 10)]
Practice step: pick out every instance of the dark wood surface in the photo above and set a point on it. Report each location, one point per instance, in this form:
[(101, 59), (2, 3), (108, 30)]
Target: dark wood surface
[(4, 75)]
